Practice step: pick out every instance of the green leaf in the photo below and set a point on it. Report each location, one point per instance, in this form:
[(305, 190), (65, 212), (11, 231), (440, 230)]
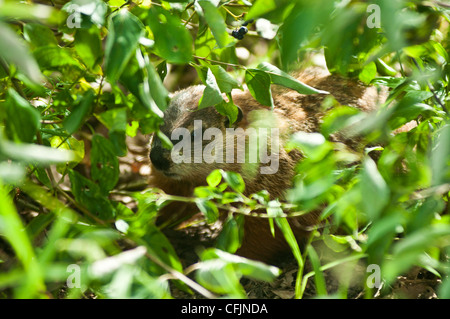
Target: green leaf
[(380, 235), (12, 229), (215, 20), (172, 40), (243, 266), (34, 12), (346, 44), (157, 89), (299, 25), (110, 264), (165, 140), (214, 178), (204, 41), (440, 157), (76, 118), (23, 120), (224, 80), (132, 76), (260, 7), (220, 272), (274, 210), (52, 57), (234, 180), (14, 51), (405, 114), (205, 192), (313, 145), (114, 119), (374, 189), (282, 78), (220, 277), (61, 216), (231, 236), (384, 69), (318, 274), (407, 253), (368, 73), (211, 95), (34, 154), (11, 173), (228, 109), (444, 289), (88, 46), (39, 35), (339, 118), (105, 165), (121, 43), (410, 107), (89, 194), (161, 68), (71, 144), (116, 122), (209, 209), (258, 83)]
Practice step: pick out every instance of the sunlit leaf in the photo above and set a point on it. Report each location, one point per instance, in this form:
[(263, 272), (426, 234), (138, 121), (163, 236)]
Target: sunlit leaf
[(215, 21), (172, 40), (124, 33), (374, 189), (105, 165), (258, 83), (282, 78), (23, 120)]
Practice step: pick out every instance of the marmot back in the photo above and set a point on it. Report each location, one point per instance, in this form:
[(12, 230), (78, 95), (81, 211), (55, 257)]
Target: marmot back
[(293, 112)]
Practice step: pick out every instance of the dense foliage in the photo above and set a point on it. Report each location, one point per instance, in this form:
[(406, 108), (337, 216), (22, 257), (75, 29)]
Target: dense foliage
[(69, 68)]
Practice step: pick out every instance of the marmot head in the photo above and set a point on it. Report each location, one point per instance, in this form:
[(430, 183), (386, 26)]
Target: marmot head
[(192, 132)]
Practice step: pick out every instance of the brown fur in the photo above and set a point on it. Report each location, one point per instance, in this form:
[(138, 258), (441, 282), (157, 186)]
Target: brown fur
[(293, 112)]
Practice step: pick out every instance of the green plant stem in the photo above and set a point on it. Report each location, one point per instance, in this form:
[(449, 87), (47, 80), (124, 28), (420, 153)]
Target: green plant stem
[(190, 18), (220, 62), (235, 17)]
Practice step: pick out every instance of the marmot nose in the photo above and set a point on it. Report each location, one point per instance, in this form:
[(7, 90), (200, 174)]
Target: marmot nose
[(158, 159)]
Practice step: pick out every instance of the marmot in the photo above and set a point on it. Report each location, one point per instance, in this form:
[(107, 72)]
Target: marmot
[(293, 112)]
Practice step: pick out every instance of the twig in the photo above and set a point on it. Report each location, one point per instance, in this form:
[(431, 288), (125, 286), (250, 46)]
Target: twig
[(190, 18), (439, 3), (427, 192), (176, 274), (247, 211), (231, 13), (220, 62), (51, 122), (180, 276)]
